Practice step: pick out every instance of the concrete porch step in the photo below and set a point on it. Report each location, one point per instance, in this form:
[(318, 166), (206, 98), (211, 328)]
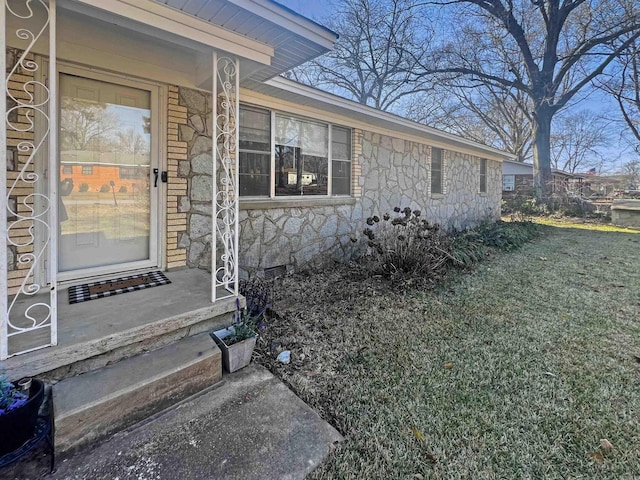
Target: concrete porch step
[(98, 403), (101, 332)]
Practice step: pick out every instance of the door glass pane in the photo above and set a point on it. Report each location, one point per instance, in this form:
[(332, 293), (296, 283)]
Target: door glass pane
[(105, 159)]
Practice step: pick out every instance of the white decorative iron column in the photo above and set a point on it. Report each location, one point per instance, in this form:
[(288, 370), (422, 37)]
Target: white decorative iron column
[(25, 209), (225, 225)]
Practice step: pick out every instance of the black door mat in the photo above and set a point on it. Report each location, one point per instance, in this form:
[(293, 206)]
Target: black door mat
[(107, 288)]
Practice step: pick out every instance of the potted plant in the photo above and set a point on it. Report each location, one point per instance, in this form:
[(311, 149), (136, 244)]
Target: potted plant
[(238, 340), (18, 413)]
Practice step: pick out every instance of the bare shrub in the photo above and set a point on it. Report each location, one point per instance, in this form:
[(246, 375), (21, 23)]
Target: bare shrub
[(406, 244)]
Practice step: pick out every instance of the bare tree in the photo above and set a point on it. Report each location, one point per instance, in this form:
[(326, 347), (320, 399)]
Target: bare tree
[(577, 141), (624, 86), (549, 50), (131, 141), (631, 171), (375, 61), (84, 125), (494, 117)]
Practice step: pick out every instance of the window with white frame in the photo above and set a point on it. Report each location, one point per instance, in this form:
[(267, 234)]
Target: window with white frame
[(340, 161), (436, 170), (307, 157), (255, 151), (508, 183), (483, 175)]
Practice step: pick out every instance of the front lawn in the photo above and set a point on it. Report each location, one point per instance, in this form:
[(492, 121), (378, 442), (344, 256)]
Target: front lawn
[(517, 370)]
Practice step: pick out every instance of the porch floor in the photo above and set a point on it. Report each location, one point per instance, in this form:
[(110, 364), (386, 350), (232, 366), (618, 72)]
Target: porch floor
[(98, 326)]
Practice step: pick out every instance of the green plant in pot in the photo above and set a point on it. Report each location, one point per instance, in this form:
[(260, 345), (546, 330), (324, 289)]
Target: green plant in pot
[(18, 413), (239, 339)]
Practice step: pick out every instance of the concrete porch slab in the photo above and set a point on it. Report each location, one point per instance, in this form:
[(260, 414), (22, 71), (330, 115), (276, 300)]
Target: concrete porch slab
[(112, 328), (251, 427)]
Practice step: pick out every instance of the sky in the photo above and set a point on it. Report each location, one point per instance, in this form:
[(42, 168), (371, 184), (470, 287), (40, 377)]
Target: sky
[(617, 152), (309, 8)]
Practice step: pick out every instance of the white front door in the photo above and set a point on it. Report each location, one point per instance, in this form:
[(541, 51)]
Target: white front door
[(107, 187)]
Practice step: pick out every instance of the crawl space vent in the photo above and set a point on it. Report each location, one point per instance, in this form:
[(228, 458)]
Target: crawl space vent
[(274, 272)]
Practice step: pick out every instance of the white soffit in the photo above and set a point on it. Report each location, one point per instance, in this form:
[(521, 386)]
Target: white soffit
[(270, 37), (288, 90), (294, 38), (153, 19)]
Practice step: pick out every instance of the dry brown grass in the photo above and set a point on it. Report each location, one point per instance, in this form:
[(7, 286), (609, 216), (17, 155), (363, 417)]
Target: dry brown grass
[(516, 370)]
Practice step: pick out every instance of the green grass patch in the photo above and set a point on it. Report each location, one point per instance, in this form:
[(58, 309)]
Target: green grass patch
[(576, 223)]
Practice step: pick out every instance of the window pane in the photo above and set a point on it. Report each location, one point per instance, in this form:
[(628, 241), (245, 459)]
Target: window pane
[(436, 170), (508, 183), (340, 143), (436, 182), (483, 175), (340, 135), (255, 129), (341, 182), (254, 174), (298, 173), (312, 138)]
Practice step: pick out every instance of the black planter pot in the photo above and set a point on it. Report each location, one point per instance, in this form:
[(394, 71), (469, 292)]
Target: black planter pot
[(17, 426)]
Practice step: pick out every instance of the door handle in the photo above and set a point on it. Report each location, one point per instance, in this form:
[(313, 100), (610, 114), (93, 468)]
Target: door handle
[(155, 177)]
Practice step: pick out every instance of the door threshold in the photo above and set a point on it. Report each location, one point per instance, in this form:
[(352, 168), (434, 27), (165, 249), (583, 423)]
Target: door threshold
[(105, 276)]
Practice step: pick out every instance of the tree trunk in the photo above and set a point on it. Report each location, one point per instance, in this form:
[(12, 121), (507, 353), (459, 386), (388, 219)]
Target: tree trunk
[(542, 179)]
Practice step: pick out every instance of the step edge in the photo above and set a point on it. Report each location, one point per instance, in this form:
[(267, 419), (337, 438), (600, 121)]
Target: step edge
[(62, 415), (108, 343)]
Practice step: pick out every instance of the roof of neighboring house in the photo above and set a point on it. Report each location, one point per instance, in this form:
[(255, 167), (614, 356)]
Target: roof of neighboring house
[(304, 95), (511, 167)]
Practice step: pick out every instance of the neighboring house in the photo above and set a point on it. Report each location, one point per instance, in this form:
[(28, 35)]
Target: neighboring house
[(155, 99), (517, 179)]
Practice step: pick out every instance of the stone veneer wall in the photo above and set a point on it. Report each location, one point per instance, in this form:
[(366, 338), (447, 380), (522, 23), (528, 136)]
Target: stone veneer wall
[(16, 272), (386, 172), (196, 170)]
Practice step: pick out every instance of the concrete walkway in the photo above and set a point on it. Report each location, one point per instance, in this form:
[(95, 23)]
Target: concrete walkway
[(250, 427)]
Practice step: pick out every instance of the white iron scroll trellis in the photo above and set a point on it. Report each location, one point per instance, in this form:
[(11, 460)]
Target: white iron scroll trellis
[(224, 243), (27, 102)]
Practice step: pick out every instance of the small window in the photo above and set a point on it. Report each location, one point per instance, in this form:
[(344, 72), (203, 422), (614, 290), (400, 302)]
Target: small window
[(436, 170), (67, 169), (128, 173), (340, 161), (508, 183), (87, 170), (483, 175)]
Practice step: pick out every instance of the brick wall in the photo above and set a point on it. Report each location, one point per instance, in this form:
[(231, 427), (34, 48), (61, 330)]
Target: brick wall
[(177, 184), (19, 198), (356, 165)]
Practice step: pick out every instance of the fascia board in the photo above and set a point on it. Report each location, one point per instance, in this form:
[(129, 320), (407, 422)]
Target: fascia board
[(292, 21), (434, 136)]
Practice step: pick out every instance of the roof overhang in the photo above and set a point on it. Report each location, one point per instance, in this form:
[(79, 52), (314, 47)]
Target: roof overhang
[(267, 37), (300, 94)]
